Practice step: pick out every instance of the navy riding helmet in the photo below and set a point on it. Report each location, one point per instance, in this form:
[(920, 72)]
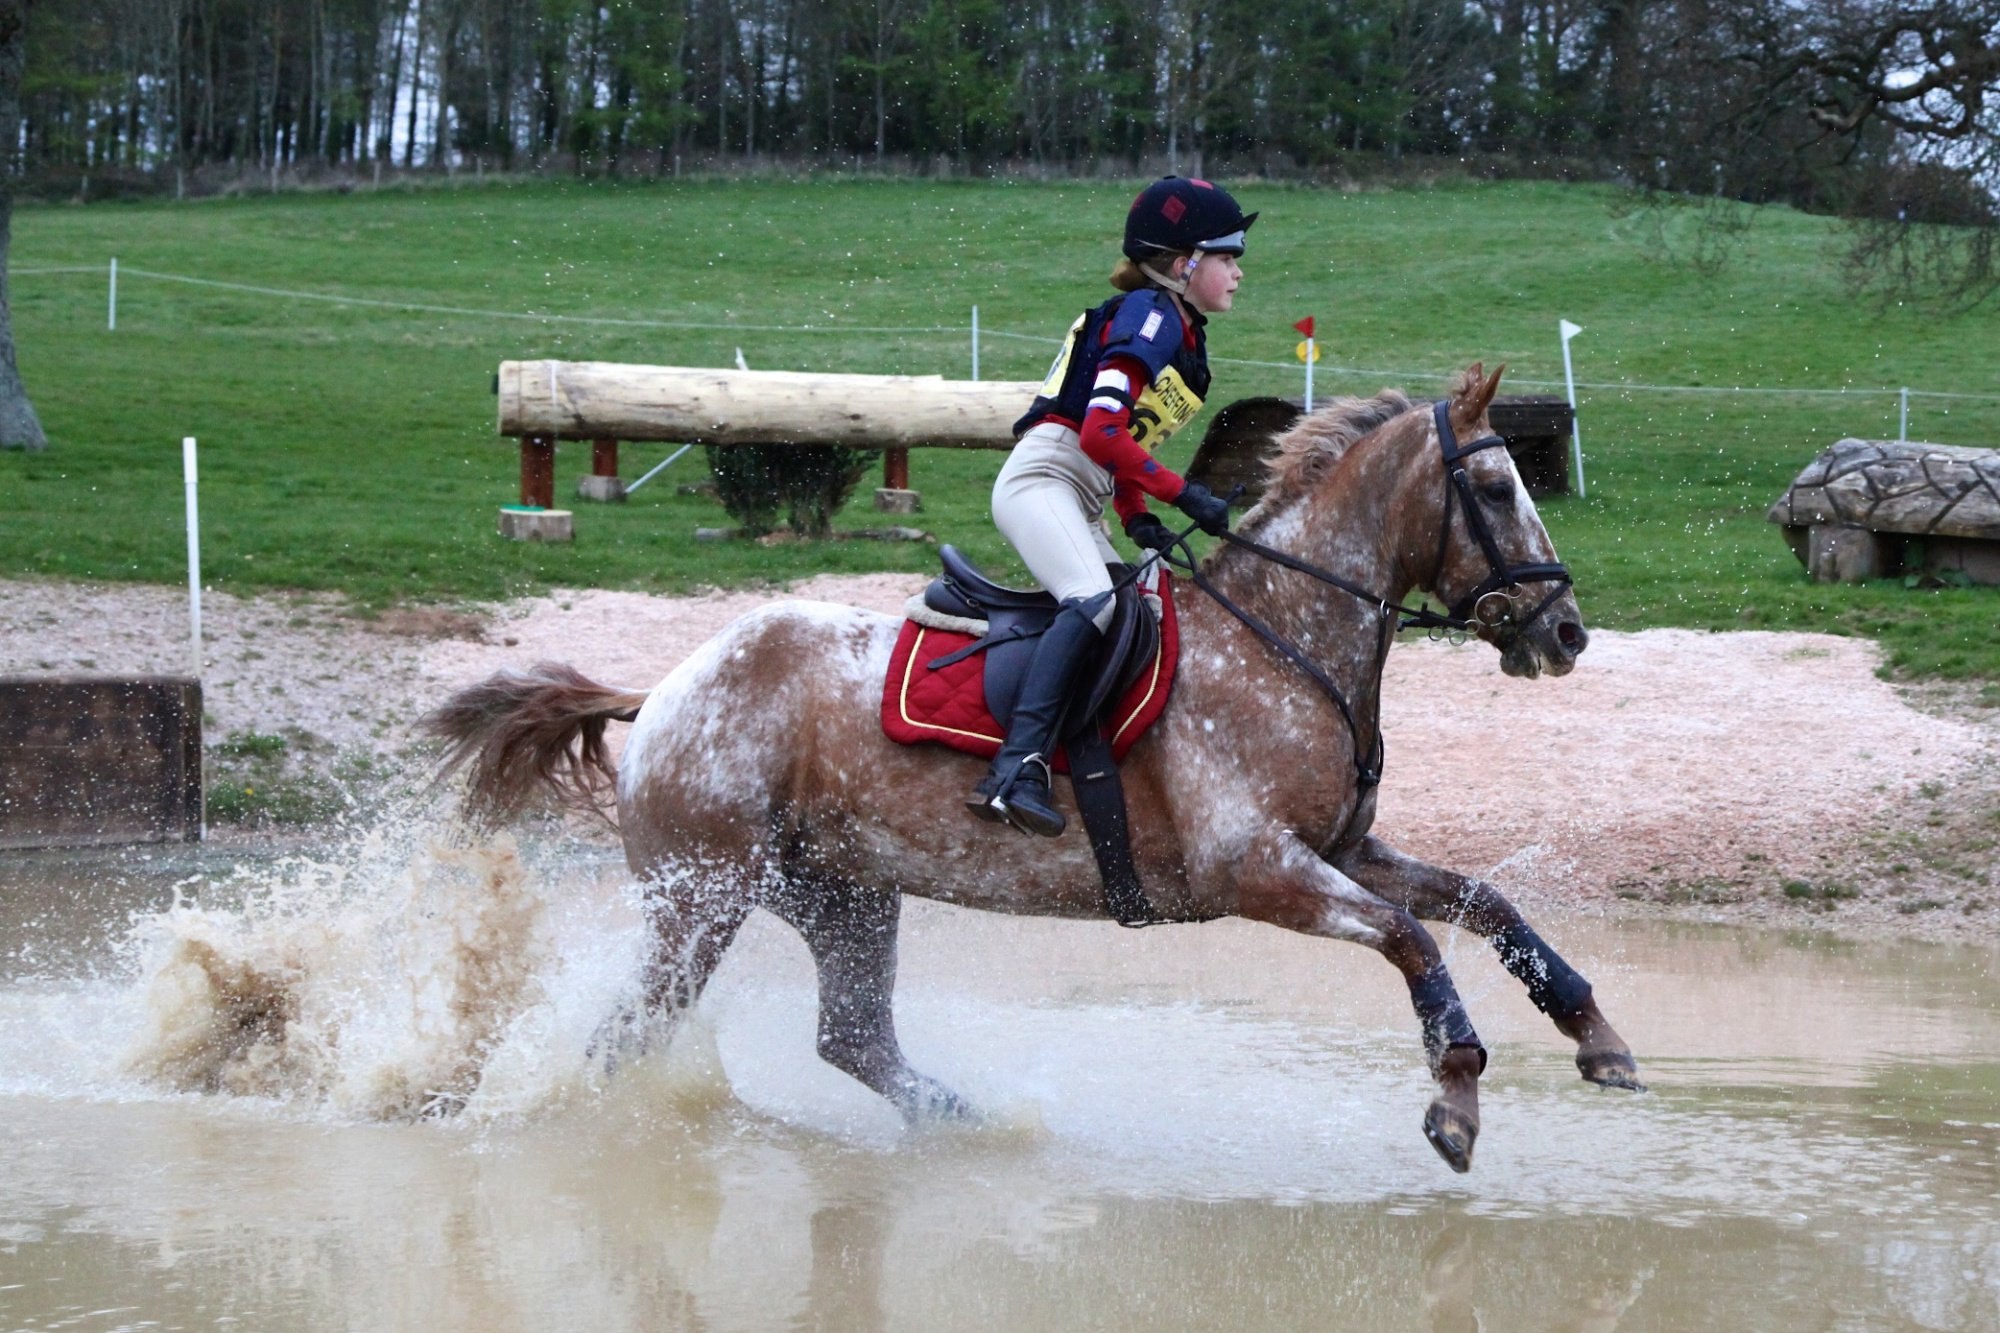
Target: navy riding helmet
[(1178, 214)]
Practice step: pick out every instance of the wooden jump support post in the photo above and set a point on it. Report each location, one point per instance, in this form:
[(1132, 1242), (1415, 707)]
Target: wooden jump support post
[(543, 402)]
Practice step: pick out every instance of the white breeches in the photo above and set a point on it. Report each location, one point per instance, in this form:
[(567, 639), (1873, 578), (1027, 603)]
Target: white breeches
[(1048, 501)]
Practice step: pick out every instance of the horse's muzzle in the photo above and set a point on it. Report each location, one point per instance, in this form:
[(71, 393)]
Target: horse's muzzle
[(1551, 644)]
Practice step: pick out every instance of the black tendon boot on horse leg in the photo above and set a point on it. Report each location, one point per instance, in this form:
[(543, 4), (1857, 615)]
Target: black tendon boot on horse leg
[(1457, 1059), (1557, 989), (1016, 790)]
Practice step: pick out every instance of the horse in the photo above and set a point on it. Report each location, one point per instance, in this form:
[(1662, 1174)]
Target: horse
[(757, 774)]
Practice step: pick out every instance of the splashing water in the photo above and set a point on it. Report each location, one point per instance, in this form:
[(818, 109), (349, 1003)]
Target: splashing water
[(410, 979)]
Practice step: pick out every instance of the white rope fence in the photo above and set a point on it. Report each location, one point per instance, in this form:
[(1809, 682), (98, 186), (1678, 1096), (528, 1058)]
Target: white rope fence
[(979, 334)]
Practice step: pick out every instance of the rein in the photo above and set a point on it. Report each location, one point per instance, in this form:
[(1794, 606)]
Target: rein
[(1462, 617)]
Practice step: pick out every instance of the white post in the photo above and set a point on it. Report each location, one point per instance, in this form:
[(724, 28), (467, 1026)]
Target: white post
[(657, 468), (1568, 331), (975, 344), (111, 321), (1903, 421), (194, 557), (1309, 372)]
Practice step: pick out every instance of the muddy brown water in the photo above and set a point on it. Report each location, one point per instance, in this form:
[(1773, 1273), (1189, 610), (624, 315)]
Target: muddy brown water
[(215, 1117)]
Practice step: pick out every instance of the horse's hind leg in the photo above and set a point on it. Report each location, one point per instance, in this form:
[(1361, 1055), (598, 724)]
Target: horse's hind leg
[(1556, 988), (851, 932)]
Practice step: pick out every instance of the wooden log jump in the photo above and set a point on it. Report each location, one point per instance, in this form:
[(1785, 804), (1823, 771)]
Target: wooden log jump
[(543, 402)]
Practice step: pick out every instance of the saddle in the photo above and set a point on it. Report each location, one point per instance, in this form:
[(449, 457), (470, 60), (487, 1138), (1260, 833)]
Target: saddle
[(956, 673), (1016, 617)]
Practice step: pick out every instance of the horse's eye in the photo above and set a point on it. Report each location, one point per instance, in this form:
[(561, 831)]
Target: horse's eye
[(1500, 490)]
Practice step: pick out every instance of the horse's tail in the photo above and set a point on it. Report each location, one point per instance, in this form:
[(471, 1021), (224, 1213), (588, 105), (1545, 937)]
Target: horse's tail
[(530, 733)]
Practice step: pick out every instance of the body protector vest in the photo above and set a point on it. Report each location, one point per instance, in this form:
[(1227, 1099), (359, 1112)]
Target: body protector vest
[(1146, 326)]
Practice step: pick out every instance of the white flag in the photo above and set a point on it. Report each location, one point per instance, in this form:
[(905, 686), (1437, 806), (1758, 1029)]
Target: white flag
[(1568, 329)]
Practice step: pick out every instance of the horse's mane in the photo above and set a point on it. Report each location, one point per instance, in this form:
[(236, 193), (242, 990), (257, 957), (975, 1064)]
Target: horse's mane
[(1305, 453)]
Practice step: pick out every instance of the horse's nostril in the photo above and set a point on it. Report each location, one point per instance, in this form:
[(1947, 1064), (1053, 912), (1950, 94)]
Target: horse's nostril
[(1572, 637)]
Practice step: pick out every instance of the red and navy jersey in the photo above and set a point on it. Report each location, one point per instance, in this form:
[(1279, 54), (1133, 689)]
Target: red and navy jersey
[(1145, 326)]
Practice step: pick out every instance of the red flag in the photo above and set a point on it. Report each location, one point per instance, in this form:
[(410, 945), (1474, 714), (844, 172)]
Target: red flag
[(1305, 326)]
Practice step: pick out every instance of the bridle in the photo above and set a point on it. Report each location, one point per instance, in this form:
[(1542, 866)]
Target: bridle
[(1462, 617), (1501, 577)]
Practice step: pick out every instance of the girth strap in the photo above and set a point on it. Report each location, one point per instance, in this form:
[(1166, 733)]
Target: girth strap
[(1100, 800)]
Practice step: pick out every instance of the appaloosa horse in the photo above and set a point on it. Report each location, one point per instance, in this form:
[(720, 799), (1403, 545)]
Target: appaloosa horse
[(757, 773)]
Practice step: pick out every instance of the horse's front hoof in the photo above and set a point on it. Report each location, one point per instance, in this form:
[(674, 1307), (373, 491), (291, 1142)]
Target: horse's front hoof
[(1610, 1069), (1452, 1133), (927, 1101), (619, 1040)]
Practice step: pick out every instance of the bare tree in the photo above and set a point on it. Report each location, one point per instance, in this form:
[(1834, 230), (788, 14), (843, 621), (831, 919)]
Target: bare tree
[(1925, 70), (1875, 111)]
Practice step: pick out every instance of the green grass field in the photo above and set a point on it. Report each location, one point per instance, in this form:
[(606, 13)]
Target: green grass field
[(352, 447)]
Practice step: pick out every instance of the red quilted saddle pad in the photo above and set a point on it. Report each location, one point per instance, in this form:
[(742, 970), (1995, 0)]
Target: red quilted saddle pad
[(948, 705)]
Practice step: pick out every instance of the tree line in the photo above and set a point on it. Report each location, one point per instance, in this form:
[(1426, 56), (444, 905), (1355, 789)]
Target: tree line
[(1763, 99), (1881, 111)]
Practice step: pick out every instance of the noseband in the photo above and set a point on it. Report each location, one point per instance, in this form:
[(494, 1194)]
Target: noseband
[(1501, 578)]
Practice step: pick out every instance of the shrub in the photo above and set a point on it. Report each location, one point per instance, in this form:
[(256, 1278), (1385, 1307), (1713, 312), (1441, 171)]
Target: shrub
[(809, 482)]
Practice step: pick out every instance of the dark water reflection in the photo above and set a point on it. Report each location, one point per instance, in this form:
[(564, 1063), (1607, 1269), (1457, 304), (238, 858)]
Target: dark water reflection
[(1204, 1128)]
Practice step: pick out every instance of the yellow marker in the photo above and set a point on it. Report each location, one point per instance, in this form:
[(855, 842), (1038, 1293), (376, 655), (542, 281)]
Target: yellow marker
[(1300, 350)]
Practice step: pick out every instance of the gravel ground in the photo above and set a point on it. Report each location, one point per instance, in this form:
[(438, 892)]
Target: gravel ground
[(1734, 777)]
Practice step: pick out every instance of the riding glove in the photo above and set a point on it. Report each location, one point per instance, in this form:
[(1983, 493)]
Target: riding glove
[(1147, 532), (1205, 507)]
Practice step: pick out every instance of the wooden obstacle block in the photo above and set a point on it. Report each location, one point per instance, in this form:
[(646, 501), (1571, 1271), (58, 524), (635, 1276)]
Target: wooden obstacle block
[(1867, 509), (88, 760), (602, 485), (1537, 429), (1239, 440), (528, 523), (1843, 553), (538, 471)]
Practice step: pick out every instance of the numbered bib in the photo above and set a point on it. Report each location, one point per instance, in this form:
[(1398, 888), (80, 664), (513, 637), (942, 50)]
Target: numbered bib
[(1166, 405)]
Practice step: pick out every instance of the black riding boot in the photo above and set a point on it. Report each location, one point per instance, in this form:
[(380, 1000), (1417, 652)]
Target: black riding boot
[(1017, 788)]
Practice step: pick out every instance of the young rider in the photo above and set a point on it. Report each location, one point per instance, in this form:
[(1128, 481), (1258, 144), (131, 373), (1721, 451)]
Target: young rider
[(1130, 373)]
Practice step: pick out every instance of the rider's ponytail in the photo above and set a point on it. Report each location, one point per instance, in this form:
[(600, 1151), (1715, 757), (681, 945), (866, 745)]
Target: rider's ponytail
[(1129, 277)]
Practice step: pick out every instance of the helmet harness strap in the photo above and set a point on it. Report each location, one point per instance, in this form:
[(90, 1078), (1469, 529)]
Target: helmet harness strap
[(1178, 286)]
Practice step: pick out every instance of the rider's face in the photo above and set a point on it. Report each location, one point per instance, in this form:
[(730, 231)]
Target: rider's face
[(1212, 286)]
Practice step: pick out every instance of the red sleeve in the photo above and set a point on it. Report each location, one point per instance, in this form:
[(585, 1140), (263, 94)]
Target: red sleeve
[(1127, 501), (1107, 441)]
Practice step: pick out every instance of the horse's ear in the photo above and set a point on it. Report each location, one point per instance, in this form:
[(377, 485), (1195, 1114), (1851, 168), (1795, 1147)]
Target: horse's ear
[(1478, 390)]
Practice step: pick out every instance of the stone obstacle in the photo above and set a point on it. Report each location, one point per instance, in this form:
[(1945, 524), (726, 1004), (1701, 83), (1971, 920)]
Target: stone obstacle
[(1232, 453), (87, 760), (542, 402), (1869, 509)]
